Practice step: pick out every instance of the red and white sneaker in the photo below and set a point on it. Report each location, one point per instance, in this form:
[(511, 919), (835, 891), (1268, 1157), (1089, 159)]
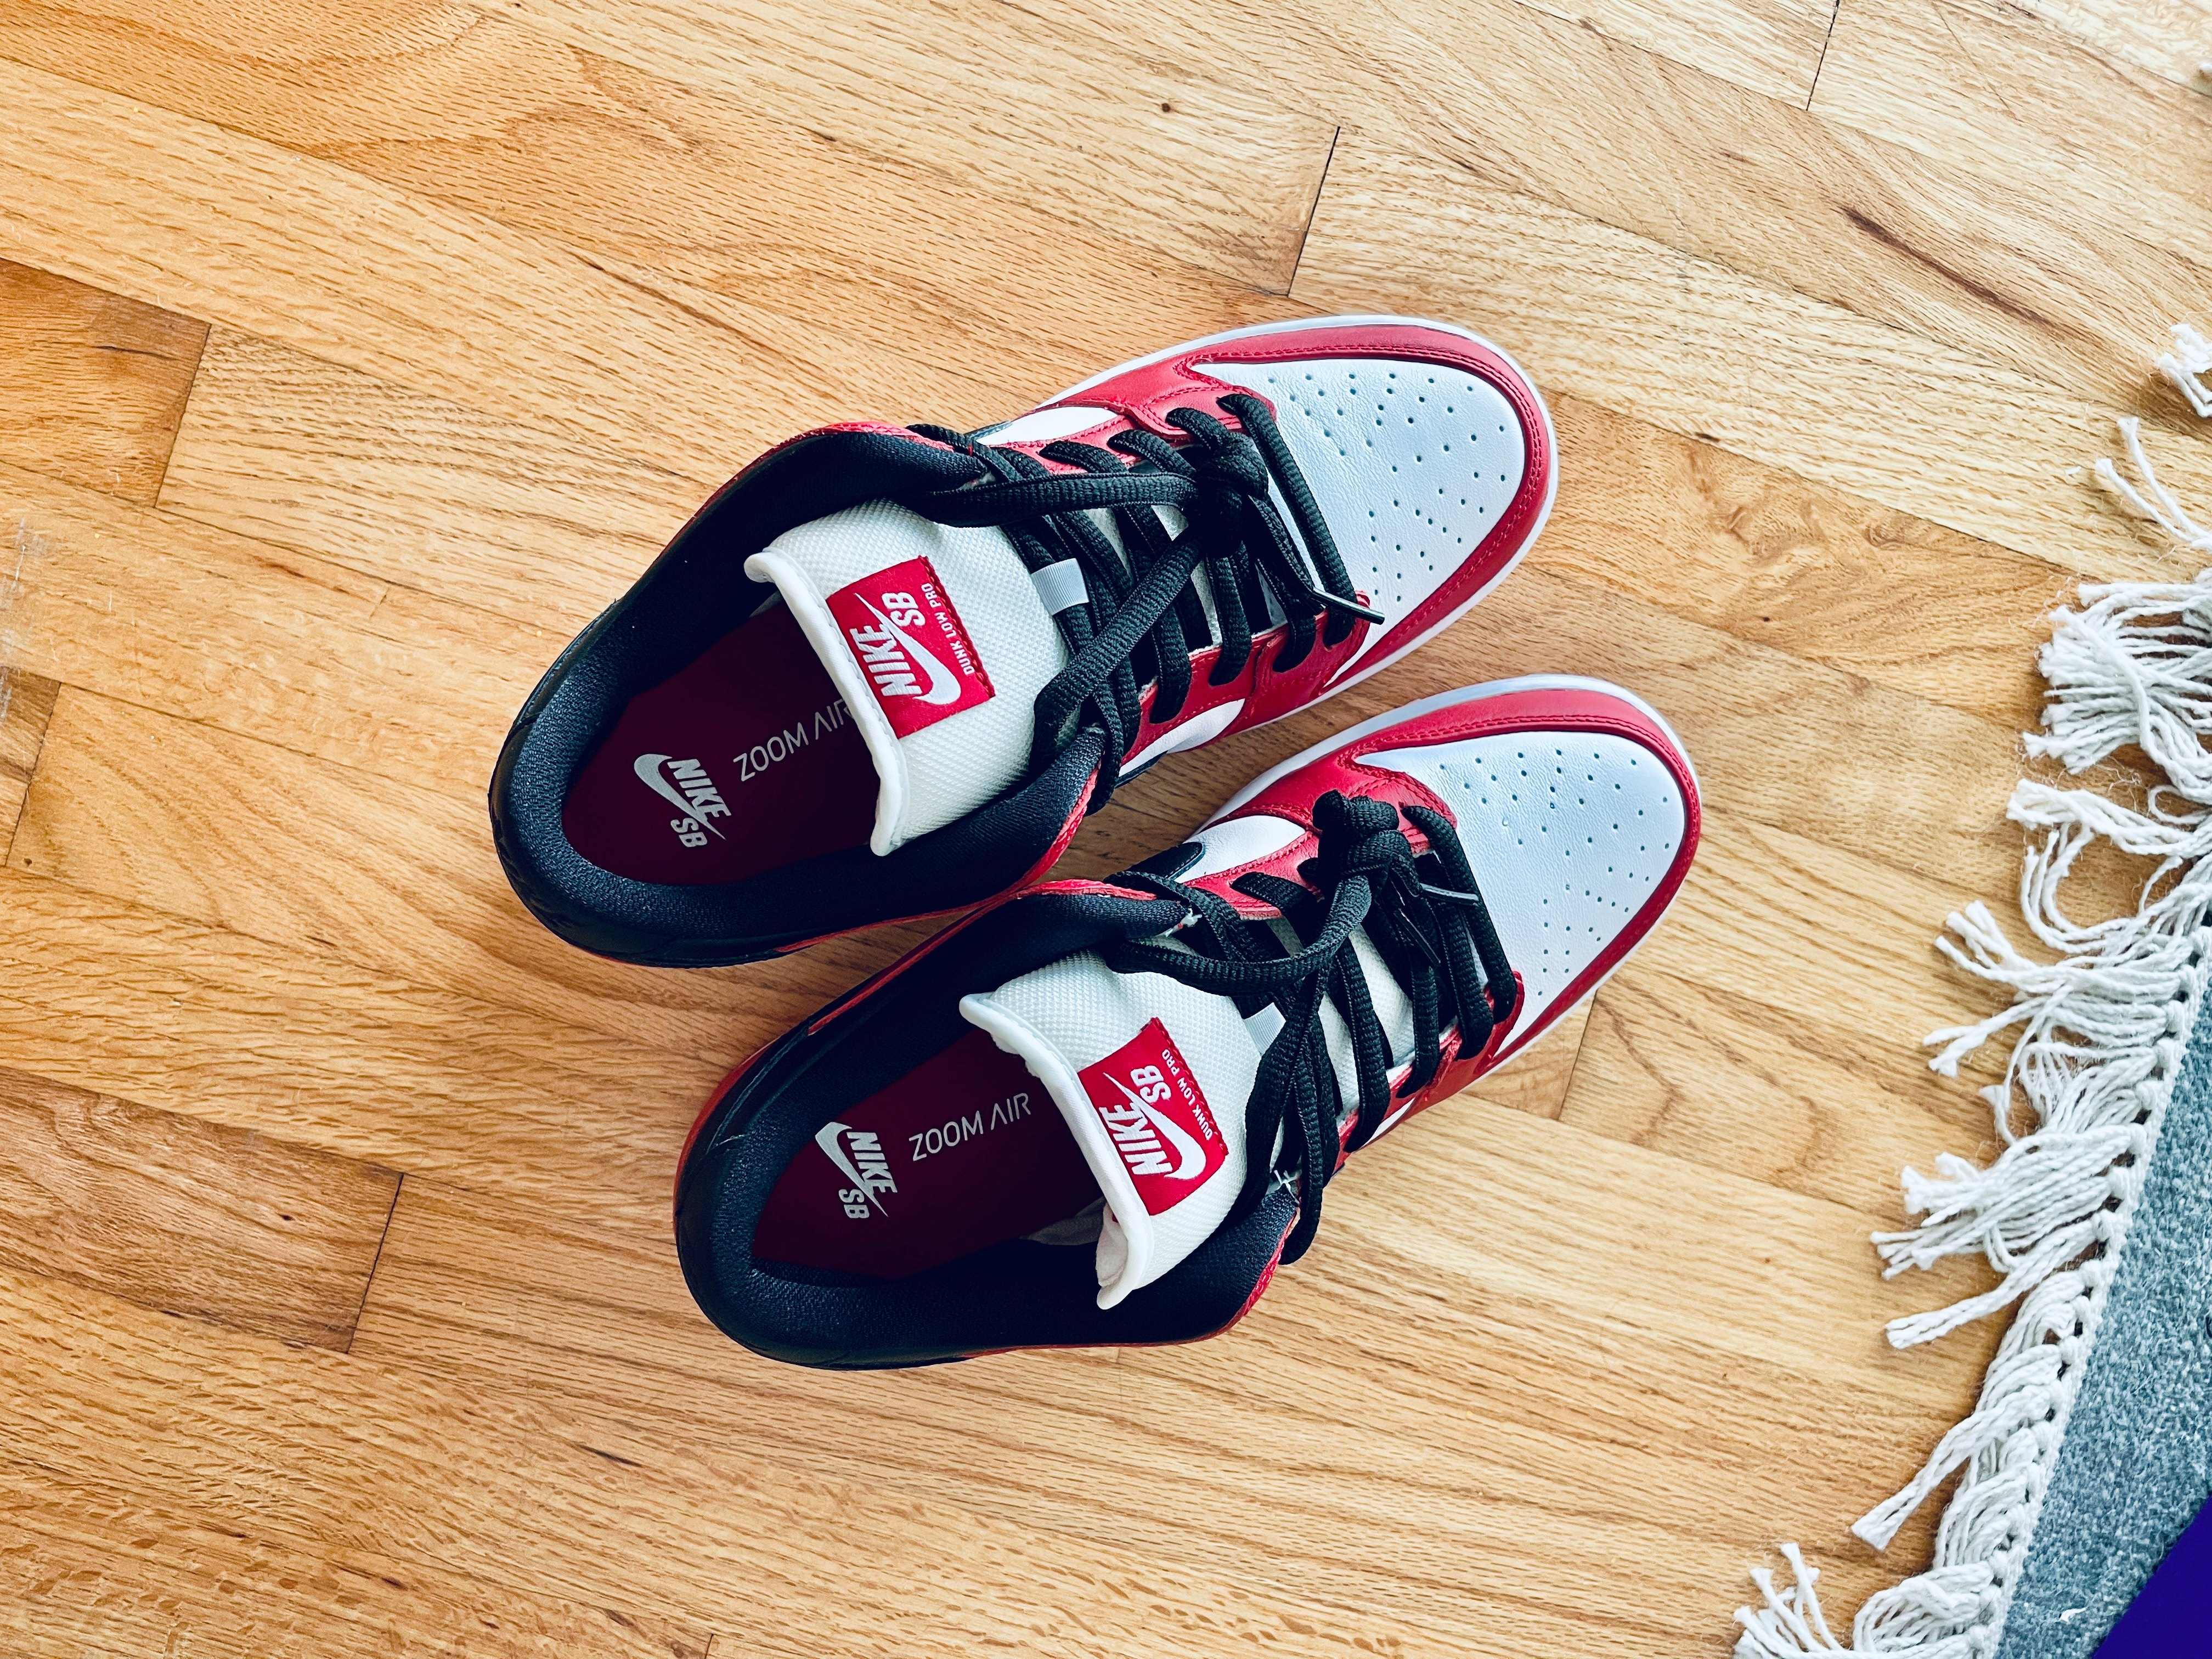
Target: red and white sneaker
[(1103, 1112), (886, 670)]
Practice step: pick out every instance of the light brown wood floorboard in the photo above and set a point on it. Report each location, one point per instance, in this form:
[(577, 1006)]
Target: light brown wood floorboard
[(229, 228), (727, 193), (26, 703), (86, 1568), (2166, 37), (1565, 1407), (1983, 87), (194, 822), (699, 187), (196, 1219), (342, 1453), (92, 382)]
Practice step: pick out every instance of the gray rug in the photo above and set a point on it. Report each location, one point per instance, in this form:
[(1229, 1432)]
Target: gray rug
[(2136, 1463)]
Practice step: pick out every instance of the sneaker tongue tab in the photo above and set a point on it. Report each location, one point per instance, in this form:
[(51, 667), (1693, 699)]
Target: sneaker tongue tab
[(936, 641), (1152, 1078)]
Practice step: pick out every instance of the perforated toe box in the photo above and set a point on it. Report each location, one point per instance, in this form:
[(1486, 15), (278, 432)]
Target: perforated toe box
[(1570, 835), (1412, 464)]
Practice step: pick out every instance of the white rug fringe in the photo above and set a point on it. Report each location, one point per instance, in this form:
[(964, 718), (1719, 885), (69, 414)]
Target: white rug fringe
[(2100, 1040), (2190, 356)]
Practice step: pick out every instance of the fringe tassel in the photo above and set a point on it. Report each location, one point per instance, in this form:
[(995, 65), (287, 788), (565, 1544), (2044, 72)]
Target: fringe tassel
[(2190, 356), (2101, 1037)]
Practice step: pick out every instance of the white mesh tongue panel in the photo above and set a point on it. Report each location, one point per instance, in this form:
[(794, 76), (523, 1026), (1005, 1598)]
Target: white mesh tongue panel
[(1152, 1077), (936, 639)]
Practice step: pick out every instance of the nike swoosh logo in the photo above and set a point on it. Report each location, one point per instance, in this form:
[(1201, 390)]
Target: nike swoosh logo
[(648, 767), (944, 684), (830, 1139), (1192, 1155)]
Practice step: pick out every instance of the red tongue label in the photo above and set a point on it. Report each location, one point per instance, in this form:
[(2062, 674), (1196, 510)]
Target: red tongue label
[(913, 651), (1156, 1116)]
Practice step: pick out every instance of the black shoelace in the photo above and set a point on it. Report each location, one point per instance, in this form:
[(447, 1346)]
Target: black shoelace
[(1140, 619), (1426, 917)]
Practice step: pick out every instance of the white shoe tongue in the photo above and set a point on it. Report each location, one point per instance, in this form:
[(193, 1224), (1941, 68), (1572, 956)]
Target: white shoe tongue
[(1152, 1078), (937, 640)]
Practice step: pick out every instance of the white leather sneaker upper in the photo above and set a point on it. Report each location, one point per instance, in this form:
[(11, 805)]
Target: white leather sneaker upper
[(1569, 834), (1410, 464)]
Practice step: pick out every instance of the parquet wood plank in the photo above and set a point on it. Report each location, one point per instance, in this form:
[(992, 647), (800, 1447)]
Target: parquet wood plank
[(1770, 47), (26, 703), (1544, 1398), (1774, 560), (1535, 1081), (1815, 1103), (195, 1219), (1211, 168), (88, 1569), (351, 1457), (2055, 286), (158, 610), (210, 1024), (582, 149), (229, 228), (481, 113), (341, 864), (397, 484), (94, 383), (1787, 380), (2168, 37), (1985, 88)]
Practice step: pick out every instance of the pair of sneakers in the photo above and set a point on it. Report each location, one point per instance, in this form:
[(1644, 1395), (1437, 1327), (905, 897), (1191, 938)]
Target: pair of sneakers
[(887, 671)]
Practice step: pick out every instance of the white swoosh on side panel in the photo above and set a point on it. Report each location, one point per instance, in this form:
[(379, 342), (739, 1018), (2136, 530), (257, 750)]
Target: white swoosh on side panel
[(1197, 729)]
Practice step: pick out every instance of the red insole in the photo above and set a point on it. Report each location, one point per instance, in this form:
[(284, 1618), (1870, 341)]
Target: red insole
[(965, 1151), (744, 762)]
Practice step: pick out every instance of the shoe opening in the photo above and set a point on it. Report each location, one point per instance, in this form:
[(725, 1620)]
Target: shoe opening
[(963, 1152), (742, 762)]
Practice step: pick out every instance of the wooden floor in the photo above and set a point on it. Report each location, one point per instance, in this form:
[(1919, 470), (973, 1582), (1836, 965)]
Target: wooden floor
[(352, 355)]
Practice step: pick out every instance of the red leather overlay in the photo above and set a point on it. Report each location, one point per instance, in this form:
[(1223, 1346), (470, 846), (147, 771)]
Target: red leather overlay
[(745, 761), (911, 645), (965, 1151), (1157, 1117)]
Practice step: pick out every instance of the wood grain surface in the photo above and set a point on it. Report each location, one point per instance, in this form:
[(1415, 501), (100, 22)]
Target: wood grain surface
[(353, 356)]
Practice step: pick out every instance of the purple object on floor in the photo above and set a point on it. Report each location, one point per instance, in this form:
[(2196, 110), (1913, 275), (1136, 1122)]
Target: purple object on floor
[(2172, 1617)]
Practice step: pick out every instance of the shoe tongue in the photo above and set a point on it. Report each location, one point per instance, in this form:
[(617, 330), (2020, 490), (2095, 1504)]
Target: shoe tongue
[(1152, 1078), (937, 640)]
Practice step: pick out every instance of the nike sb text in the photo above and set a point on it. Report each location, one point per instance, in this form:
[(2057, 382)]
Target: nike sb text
[(910, 646), (1156, 1117), (684, 784), (859, 1158)]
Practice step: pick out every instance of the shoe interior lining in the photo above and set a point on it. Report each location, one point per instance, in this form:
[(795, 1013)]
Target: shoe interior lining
[(743, 763), (963, 1152)]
